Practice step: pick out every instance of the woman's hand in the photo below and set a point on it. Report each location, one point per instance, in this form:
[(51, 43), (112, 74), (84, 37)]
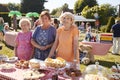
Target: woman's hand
[(42, 47)]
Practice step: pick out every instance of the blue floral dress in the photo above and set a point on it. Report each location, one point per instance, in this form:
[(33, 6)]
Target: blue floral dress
[(43, 37)]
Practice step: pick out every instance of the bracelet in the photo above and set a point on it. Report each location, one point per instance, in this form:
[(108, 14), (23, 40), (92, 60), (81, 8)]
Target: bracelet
[(75, 60)]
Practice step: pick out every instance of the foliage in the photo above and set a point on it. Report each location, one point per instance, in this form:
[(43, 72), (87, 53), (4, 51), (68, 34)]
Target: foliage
[(80, 4), (3, 8), (65, 7), (14, 15), (32, 6), (57, 12), (110, 23), (54, 11), (4, 13), (104, 11), (103, 28), (13, 6), (32, 14)]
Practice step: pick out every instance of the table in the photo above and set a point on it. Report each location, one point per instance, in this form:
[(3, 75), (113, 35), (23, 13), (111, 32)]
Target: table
[(99, 48), (18, 75), (10, 38)]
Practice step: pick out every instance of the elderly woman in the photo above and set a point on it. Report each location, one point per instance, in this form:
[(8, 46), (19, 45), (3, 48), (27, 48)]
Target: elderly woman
[(66, 42), (23, 47), (43, 37)]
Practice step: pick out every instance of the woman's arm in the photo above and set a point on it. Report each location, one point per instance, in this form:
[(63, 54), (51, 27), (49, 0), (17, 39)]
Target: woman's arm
[(55, 44), (49, 45), (37, 45), (75, 47), (15, 49)]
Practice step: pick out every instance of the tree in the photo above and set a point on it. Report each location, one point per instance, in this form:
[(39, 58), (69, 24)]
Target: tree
[(14, 15), (32, 15), (104, 11), (110, 23), (13, 6), (65, 7), (57, 12), (4, 13), (80, 4), (54, 11), (32, 6)]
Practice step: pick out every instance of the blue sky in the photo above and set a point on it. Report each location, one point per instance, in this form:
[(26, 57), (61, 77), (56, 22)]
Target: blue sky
[(52, 4)]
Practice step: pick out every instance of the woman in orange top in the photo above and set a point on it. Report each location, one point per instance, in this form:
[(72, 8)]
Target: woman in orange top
[(66, 42)]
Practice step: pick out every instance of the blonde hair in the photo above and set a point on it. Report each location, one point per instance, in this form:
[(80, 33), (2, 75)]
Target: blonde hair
[(68, 14), (24, 20)]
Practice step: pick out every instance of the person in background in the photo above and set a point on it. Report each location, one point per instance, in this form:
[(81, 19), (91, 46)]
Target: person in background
[(116, 37), (43, 37), (66, 42), (1, 28), (36, 23), (56, 23), (82, 27), (88, 32), (6, 27), (23, 47)]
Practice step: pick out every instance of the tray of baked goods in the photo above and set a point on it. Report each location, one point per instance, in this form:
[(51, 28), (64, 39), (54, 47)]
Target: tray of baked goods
[(55, 63)]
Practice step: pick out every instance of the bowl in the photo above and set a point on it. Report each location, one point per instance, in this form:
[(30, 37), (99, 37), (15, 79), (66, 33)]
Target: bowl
[(11, 59)]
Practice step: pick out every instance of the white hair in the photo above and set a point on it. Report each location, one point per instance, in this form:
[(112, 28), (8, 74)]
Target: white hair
[(24, 20), (70, 15)]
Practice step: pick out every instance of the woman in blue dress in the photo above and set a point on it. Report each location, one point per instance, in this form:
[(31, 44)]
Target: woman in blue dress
[(43, 37)]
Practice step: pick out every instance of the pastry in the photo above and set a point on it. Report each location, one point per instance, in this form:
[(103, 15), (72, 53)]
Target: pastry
[(56, 63), (34, 64), (22, 64)]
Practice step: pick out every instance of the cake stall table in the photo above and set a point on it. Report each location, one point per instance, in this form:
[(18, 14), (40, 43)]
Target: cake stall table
[(99, 48)]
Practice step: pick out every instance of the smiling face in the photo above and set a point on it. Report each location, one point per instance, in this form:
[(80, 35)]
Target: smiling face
[(25, 25), (67, 21), (45, 20)]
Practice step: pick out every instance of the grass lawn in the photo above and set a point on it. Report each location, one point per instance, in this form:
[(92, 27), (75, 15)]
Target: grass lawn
[(106, 60)]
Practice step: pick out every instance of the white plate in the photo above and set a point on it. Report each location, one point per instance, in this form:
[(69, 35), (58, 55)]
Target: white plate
[(11, 59), (92, 68)]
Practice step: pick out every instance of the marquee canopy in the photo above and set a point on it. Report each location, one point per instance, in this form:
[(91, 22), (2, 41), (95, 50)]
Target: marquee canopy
[(81, 18)]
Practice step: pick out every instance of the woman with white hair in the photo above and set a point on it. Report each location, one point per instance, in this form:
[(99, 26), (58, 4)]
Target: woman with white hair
[(66, 42), (23, 47)]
